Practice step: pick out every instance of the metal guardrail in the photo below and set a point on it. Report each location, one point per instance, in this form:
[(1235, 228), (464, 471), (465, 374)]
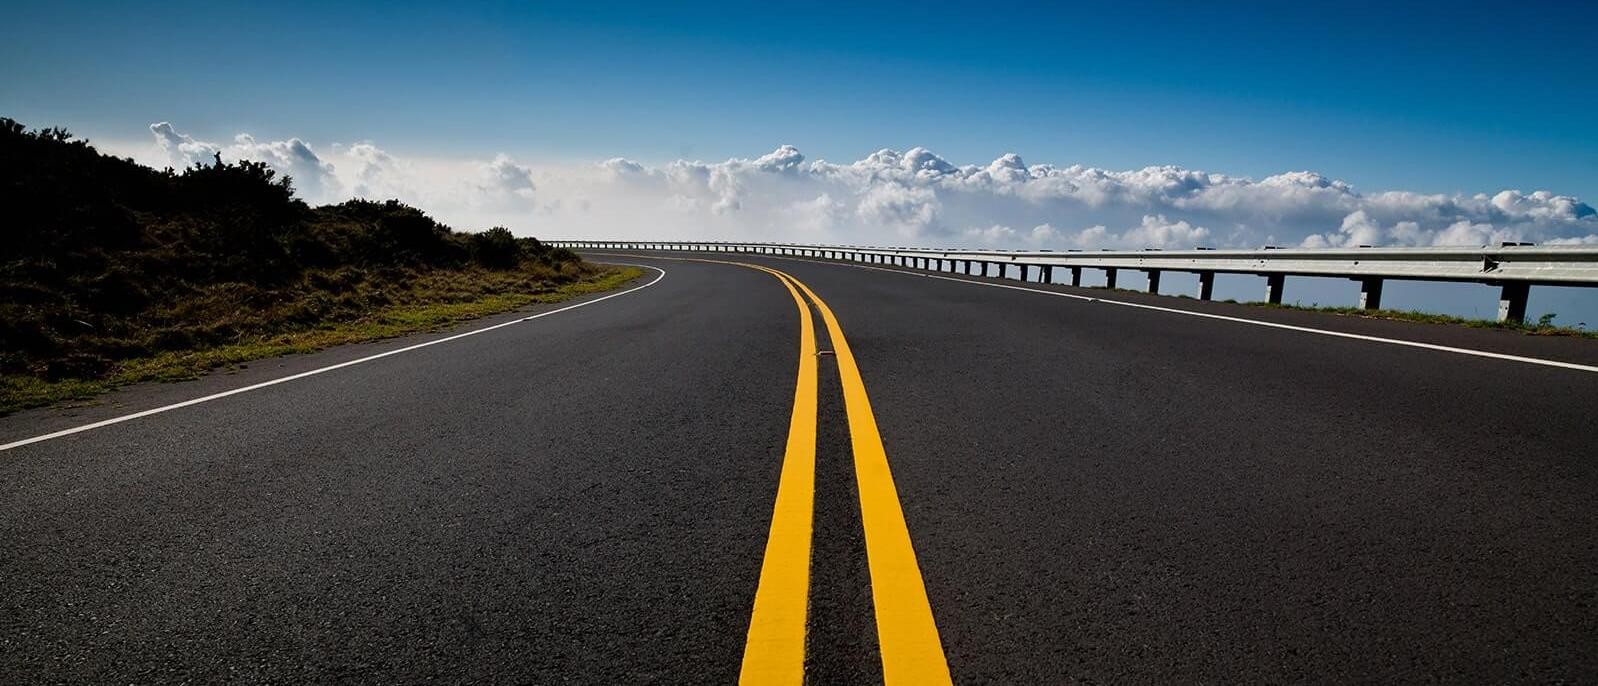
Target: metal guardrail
[(1512, 267)]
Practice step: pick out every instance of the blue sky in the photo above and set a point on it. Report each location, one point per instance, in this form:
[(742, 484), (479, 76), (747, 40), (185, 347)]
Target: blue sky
[(1426, 97), (1421, 124)]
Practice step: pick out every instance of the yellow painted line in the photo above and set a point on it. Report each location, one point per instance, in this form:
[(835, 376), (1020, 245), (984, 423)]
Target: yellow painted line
[(774, 652), (912, 653), (774, 649)]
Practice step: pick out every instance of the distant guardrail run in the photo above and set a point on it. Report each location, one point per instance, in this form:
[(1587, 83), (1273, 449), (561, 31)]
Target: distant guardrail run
[(1514, 268)]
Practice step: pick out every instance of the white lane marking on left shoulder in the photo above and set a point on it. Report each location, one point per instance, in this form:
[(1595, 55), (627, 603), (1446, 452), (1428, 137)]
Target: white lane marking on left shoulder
[(319, 370)]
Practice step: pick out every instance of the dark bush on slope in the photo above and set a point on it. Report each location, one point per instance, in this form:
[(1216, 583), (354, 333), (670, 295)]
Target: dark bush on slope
[(104, 260)]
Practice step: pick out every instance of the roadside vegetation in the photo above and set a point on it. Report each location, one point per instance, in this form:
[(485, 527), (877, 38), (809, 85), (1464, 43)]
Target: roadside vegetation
[(114, 273), (1545, 326)]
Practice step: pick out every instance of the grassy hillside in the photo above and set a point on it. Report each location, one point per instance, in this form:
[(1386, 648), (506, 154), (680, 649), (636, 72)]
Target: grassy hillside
[(111, 272)]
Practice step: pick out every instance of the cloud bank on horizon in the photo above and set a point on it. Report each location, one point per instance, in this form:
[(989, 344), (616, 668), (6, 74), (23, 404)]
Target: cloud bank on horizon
[(911, 197)]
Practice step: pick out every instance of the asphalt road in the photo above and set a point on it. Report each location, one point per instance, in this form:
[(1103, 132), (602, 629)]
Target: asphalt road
[(1095, 493)]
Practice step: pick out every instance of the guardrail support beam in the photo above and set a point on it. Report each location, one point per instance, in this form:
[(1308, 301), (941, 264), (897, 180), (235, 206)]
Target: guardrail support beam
[(1076, 276), (1206, 285), (1512, 301), (1048, 273), (1109, 278), (1370, 294), (1154, 280), (1273, 288), (1023, 273)]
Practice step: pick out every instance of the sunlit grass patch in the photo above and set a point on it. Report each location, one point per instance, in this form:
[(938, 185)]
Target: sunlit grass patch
[(435, 301)]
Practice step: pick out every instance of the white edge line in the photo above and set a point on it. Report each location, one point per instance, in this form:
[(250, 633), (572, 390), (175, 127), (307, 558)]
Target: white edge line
[(320, 370), (1241, 320)]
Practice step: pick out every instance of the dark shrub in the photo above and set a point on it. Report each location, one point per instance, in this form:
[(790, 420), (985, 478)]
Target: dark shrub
[(103, 259), (496, 248)]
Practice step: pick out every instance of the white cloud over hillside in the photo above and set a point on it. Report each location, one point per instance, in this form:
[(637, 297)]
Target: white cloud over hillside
[(901, 198)]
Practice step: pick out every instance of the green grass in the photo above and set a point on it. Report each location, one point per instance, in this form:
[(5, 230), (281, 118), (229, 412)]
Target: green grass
[(434, 301), (1529, 328)]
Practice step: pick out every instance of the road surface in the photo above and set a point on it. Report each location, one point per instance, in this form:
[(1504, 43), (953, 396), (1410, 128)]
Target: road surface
[(1084, 491)]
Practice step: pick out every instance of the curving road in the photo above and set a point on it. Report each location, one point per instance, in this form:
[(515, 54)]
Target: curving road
[(1095, 491)]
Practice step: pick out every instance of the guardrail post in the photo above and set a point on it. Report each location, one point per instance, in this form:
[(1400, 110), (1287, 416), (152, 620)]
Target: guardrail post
[(1076, 276), (1154, 280), (1023, 272), (1109, 278), (1512, 301), (1273, 288), (1370, 294), (1206, 285), (1048, 273)]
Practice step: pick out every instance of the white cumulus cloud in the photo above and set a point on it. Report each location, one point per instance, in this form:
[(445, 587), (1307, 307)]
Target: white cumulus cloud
[(894, 197)]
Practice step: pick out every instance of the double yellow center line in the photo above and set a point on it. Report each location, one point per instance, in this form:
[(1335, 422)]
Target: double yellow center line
[(906, 633), (774, 653)]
